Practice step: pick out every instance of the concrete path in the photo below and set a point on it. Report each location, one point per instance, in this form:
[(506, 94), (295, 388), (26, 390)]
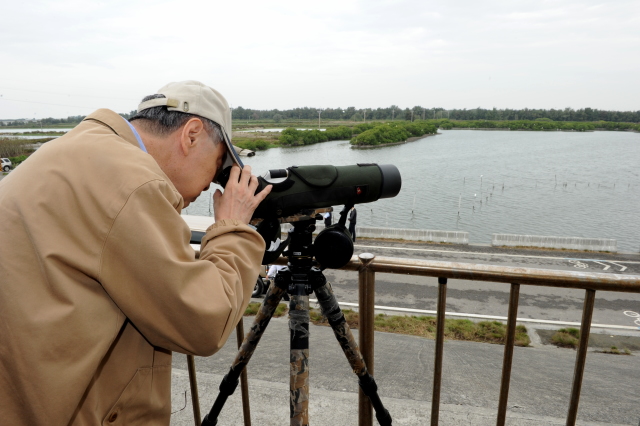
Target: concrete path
[(540, 384)]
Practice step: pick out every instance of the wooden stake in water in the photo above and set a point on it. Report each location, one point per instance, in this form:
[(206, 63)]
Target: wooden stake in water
[(414, 203), (459, 201)]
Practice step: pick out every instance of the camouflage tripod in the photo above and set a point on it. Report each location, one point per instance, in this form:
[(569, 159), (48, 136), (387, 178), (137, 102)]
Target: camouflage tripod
[(300, 279)]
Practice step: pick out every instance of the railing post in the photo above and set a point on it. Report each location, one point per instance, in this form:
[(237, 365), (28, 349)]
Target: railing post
[(366, 313), (244, 382), (581, 356), (508, 353), (437, 369), (195, 400)]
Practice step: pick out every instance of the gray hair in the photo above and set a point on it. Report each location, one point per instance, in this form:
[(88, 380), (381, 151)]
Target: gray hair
[(161, 121)]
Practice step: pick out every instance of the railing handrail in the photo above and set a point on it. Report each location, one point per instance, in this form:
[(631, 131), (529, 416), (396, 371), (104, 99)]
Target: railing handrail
[(367, 265), (504, 274)]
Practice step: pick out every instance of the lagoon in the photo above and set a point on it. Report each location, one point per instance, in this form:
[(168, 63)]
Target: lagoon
[(538, 183)]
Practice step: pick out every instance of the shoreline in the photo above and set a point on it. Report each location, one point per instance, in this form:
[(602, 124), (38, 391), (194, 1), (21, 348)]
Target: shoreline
[(541, 130), (411, 139)]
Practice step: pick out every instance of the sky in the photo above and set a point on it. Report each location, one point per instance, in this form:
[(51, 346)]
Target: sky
[(67, 57)]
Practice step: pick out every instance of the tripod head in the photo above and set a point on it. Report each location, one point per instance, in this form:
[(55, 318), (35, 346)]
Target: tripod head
[(332, 248)]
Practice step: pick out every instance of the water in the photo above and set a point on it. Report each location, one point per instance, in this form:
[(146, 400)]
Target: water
[(540, 183), (11, 130), (271, 130), (3, 132)]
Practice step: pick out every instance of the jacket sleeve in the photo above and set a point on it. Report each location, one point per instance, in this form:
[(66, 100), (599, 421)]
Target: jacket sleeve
[(151, 272)]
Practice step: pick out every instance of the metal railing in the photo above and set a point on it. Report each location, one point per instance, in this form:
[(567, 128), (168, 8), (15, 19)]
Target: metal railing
[(368, 265)]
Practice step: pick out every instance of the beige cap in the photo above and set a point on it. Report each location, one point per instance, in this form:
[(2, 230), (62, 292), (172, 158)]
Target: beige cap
[(195, 98)]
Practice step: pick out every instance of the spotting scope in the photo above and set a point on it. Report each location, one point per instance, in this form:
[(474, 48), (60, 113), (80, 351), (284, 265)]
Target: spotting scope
[(299, 190), (310, 187)]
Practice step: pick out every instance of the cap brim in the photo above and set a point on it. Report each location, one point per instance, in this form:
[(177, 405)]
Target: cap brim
[(232, 156)]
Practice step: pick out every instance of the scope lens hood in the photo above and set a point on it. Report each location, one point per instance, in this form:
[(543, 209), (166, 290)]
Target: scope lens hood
[(391, 180), (333, 247)]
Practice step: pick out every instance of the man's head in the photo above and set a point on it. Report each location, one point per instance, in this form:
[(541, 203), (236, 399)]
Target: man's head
[(185, 127)]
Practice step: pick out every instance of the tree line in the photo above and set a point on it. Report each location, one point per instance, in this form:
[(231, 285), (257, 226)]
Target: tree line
[(394, 113), (418, 112), (533, 125), (53, 122)]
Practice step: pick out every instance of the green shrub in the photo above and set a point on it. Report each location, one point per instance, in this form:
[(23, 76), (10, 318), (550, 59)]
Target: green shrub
[(566, 338), (17, 160), (392, 133), (295, 137), (254, 145)]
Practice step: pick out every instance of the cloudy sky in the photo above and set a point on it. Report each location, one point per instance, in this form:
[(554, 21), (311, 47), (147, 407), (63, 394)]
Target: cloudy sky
[(67, 57)]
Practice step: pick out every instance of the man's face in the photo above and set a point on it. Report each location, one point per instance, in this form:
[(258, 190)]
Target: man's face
[(204, 163)]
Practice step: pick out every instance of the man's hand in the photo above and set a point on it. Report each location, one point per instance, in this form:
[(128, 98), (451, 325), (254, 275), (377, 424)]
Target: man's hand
[(238, 200)]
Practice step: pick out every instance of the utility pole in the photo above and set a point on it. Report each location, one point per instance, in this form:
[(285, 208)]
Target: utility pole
[(365, 114), (412, 116), (393, 111), (319, 112)]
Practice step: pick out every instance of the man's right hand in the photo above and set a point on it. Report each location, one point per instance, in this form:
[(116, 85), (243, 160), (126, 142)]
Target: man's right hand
[(239, 199)]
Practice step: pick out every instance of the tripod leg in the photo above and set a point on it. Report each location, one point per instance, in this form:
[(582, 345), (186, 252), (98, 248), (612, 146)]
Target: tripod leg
[(251, 340), (299, 360), (332, 311), (195, 400)]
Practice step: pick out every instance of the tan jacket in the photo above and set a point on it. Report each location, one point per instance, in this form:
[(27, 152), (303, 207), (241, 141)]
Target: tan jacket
[(98, 283)]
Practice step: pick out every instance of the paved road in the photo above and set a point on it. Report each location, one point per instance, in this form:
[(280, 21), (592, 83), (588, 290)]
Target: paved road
[(540, 382), (541, 377), (545, 259), (488, 298)]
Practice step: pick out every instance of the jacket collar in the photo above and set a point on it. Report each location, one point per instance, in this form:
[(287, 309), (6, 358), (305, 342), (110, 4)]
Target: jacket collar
[(115, 122)]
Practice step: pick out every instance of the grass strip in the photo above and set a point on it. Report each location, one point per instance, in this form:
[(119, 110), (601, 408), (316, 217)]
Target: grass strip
[(254, 307), (570, 338), (566, 338), (422, 326), (615, 351), (257, 141)]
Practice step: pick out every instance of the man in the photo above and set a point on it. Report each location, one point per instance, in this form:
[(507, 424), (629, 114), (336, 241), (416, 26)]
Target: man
[(271, 276), (98, 282), (327, 219), (273, 271), (353, 218)]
